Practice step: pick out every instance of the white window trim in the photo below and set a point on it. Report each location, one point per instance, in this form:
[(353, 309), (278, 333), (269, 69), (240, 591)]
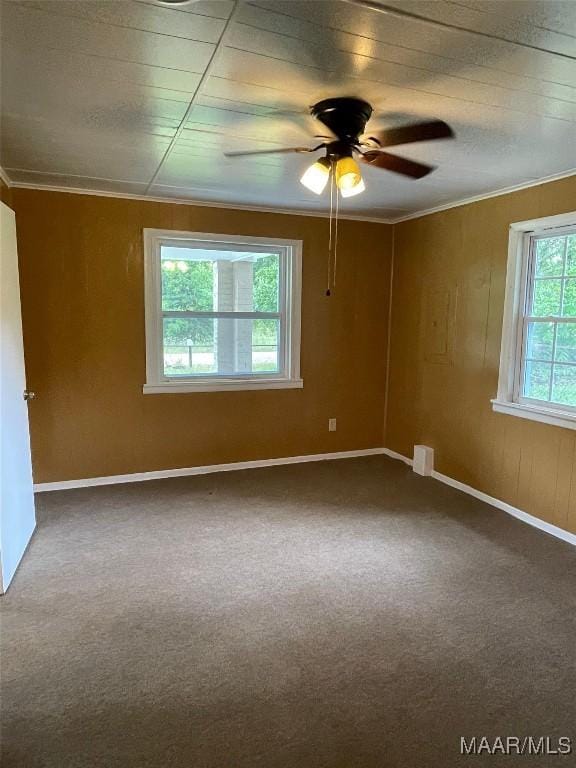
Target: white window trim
[(289, 309), (508, 400)]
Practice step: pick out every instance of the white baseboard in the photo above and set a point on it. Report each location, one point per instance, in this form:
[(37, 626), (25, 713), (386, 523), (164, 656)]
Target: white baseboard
[(554, 530), (395, 455), (536, 522), (202, 470)]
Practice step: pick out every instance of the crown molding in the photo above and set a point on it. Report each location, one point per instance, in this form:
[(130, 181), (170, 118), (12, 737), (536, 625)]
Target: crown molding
[(5, 178), (287, 211), (486, 196), (187, 201)]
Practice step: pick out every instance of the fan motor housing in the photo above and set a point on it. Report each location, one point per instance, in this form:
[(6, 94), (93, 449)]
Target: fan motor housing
[(345, 117)]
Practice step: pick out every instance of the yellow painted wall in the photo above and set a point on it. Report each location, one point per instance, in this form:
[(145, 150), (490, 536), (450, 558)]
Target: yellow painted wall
[(81, 273), (448, 298), (83, 312)]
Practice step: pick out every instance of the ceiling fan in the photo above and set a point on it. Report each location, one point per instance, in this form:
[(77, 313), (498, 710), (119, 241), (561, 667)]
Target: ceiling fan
[(346, 120)]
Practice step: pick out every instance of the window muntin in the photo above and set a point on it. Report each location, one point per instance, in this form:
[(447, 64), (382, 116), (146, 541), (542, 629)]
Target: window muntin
[(547, 371), (222, 312)]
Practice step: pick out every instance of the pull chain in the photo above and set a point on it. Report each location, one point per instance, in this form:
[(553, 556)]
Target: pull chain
[(328, 276), (336, 238)]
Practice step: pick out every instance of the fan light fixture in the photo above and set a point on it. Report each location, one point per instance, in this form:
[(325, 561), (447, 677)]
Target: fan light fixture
[(316, 176), (346, 171), (355, 190)]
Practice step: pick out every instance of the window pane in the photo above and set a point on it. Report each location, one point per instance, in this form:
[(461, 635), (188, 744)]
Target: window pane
[(540, 340), (202, 280), (265, 345), (266, 283), (569, 302), (549, 353), (546, 297), (571, 255), (550, 257), (537, 380), (189, 346), (246, 282), (187, 282), (197, 346), (566, 343), (564, 384)]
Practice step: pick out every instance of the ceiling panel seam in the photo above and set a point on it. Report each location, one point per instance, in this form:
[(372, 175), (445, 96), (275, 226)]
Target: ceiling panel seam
[(540, 115), (425, 69), (106, 57), (251, 84), (511, 17), (175, 9), (392, 11), (467, 62), (211, 61), (86, 20)]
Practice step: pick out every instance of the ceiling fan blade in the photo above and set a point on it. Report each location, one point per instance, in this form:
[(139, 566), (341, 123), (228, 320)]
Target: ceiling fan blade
[(283, 151), (407, 134), (396, 164)]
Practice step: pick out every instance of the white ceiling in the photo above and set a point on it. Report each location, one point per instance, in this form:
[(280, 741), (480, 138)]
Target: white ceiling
[(131, 96)]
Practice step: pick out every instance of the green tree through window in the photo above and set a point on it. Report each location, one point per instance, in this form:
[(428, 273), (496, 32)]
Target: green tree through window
[(550, 343), (188, 286)]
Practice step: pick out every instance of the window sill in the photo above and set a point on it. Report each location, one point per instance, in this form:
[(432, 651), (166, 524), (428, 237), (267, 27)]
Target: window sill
[(226, 385), (536, 413)]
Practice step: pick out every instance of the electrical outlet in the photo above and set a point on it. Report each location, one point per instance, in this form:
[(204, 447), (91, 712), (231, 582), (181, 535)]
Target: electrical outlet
[(331, 425)]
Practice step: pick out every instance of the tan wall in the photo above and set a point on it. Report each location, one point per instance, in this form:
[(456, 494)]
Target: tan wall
[(81, 264), (448, 297)]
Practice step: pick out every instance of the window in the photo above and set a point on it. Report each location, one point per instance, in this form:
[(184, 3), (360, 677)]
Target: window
[(538, 358), (222, 312)]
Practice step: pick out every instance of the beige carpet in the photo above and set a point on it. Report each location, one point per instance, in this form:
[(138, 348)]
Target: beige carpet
[(344, 614)]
